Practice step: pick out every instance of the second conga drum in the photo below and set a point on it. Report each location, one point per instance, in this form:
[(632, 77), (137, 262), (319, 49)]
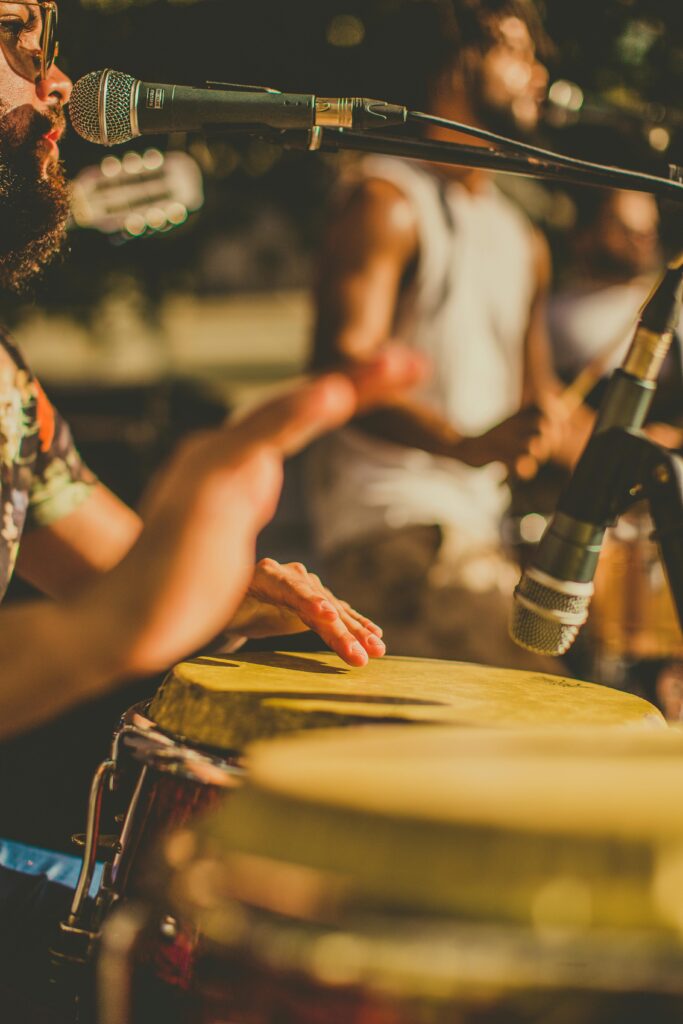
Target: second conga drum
[(442, 876)]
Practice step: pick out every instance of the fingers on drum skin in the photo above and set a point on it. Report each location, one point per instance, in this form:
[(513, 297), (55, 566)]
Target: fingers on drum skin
[(343, 642), (304, 593), (325, 619), (370, 641), (364, 621), (332, 616), (363, 628)]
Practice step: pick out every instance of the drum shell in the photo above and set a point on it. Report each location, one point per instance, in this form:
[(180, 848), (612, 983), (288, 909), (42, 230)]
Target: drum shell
[(163, 801), (236, 986), (274, 971)]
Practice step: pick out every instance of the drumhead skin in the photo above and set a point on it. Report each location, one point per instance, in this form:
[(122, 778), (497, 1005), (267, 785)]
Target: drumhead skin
[(440, 863), (227, 702)]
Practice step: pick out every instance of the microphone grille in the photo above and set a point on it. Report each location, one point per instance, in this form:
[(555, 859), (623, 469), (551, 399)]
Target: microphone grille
[(546, 619), (101, 107)]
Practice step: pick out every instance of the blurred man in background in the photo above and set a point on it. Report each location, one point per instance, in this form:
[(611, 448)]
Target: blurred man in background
[(612, 264), (407, 504)]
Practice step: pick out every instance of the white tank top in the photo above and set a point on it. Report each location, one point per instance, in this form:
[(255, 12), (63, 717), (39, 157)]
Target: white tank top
[(468, 310)]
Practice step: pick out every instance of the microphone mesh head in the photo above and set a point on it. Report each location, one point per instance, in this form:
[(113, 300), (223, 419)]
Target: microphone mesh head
[(115, 90), (546, 620)]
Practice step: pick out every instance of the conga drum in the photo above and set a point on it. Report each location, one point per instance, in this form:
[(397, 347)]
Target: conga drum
[(441, 875), (191, 738), (185, 749)]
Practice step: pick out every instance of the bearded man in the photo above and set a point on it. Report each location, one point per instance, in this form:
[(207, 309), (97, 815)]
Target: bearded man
[(128, 599)]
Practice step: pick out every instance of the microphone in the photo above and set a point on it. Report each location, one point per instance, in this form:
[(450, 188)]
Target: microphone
[(552, 598), (110, 107)]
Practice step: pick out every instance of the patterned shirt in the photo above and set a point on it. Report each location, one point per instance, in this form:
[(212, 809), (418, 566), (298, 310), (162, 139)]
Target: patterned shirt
[(42, 476)]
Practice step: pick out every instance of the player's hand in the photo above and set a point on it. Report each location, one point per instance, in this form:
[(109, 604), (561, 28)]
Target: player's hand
[(521, 435), (193, 564), (286, 599)]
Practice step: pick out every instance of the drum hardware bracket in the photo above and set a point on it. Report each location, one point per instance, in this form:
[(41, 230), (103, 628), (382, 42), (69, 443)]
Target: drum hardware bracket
[(134, 722), (138, 732), (107, 843)]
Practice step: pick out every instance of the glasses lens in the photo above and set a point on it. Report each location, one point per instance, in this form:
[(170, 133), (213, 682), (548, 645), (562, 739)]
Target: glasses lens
[(49, 46), (28, 38)]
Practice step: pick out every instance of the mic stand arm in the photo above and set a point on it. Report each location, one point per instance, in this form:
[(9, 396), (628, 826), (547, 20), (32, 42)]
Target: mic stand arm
[(430, 150), (636, 469)]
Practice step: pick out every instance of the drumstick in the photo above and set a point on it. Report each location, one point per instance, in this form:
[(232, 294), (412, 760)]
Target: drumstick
[(527, 466)]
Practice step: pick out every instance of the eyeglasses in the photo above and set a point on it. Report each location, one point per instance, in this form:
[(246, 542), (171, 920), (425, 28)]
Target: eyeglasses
[(28, 36)]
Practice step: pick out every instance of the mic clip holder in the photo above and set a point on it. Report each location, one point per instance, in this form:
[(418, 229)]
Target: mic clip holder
[(633, 469)]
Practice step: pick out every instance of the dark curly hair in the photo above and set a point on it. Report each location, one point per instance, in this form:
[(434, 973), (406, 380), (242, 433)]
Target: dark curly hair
[(418, 40)]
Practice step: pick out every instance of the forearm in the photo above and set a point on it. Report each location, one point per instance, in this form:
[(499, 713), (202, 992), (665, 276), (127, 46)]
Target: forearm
[(416, 426), (53, 657)]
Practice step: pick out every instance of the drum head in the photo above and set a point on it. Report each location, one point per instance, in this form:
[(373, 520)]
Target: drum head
[(227, 702)]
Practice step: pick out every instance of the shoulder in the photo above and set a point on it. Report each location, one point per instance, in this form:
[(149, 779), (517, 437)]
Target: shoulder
[(11, 357), (376, 213), (18, 386)]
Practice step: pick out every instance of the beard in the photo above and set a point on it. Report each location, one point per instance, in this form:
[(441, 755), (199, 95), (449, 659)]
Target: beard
[(34, 208), (500, 117)]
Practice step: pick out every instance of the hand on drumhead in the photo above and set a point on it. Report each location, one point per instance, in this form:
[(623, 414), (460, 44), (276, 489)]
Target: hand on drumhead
[(192, 566), (287, 599)]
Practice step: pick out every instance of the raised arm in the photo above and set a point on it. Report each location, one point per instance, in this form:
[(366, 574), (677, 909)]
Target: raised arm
[(190, 568), (370, 253)]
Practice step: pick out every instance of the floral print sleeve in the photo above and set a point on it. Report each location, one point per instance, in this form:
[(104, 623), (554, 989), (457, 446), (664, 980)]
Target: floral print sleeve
[(61, 480), (42, 476)]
